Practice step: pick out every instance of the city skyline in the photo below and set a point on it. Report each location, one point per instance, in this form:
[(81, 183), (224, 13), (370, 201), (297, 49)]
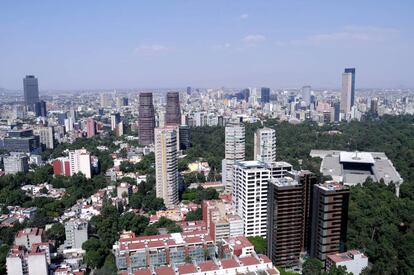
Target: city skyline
[(131, 45)]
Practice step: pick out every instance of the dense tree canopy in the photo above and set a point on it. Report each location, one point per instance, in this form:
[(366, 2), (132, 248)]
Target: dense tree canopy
[(260, 245), (199, 194), (195, 215)]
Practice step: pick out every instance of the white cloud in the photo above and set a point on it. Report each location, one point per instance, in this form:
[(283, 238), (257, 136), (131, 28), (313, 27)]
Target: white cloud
[(349, 35), (150, 49), (222, 46), (244, 16), (253, 39)]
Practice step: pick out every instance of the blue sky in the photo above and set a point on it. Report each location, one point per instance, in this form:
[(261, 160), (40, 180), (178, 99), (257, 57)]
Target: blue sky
[(155, 44)]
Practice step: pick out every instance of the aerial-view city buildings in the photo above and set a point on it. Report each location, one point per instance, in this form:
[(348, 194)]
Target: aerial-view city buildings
[(206, 139)]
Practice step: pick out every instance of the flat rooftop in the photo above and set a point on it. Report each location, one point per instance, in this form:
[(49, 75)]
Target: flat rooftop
[(251, 164), (284, 182), (371, 164), (356, 157)]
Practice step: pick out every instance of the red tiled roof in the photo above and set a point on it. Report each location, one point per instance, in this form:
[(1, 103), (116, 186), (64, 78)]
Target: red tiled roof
[(164, 271), (186, 269), (208, 266), (229, 263), (249, 260), (265, 259), (143, 272), (29, 231)]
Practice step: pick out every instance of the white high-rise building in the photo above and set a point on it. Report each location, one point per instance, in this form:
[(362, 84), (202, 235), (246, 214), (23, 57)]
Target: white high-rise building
[(80, 162), (250, 187), (346, 93), (15, 163), (115, 120), (69, 124), (234, 151), (46, 136), (76, 232), (306, 94), (166, 171), (265, 145), (106, 100)]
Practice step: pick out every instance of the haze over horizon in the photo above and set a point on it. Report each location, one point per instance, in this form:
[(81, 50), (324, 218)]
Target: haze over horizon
[(90, 45)]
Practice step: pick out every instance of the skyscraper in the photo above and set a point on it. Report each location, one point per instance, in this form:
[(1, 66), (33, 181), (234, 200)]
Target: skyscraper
[(115, 120), (40, 108), (90, 127), (307, 180), (184, 137), (348, 90), (80, 162), (106, 100), (289, 216), (173, 113), (249, 197), (47, 137), (329, 219), (234, 151), (265, 95), (265, 145), (306, 94), (166, 171), (374, 106), (146, 119), (285, 221), (31, 91)]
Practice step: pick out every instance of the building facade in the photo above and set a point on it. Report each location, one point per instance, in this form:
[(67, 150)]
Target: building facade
[(90, 127), (329, 219), (265, 145), (16, 163), (249, 198), (115, 120), (47, 137), (173, 113), (285, 221), (166, 171), (76, 232), (28, 236), (354, 261), (146, 119), (348, 90), (265, 95), (234, 151), (80, 162), (31, 92)]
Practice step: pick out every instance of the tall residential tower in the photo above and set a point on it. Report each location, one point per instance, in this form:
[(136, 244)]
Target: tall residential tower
[(31, 91), (234, 151), (348, 90), (329, 219), (173, 113), (166, 171), (265, 145), (146, 119)]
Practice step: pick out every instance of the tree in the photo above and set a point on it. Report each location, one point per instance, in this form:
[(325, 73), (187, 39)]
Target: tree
[(57, 233), (109, 266), (259, 243), (131, 221), (312, 266), (195, 215), (4, 251), (44, 190), (96, 252), (338, 270)]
